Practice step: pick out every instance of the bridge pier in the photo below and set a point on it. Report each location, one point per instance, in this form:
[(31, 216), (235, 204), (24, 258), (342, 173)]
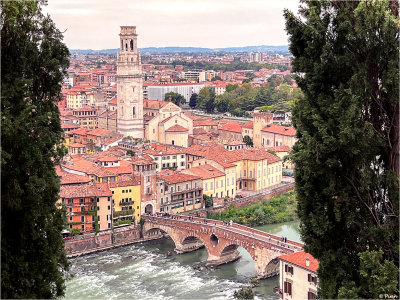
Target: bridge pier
[(225, 258), (188, 247)]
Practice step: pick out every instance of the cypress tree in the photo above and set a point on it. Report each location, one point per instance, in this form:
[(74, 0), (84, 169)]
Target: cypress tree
[(346, 55), (34, 61)]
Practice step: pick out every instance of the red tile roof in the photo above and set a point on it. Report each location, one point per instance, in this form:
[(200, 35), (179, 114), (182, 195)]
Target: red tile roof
[(99, 132), (278, 129), (86, 190), (206, 171), (205, 123), (197, 131), (176, 178), (232, 126), (155, 104), (248, 125), (299, 259), (176, 128)]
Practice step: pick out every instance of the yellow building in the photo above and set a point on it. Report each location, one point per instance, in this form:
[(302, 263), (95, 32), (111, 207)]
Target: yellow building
[(258, 169), (214, 180), (78, 99), (260, 120), (126, 200)]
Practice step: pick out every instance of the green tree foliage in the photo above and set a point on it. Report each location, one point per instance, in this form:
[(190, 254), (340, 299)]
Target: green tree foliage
[(34, 61), (248, 140), (347, 155), (269, 211), (244, 294), (216, 78), (378, 277), (176, 98), (208, 200), (193, 100), (205, 99), (238, 100)]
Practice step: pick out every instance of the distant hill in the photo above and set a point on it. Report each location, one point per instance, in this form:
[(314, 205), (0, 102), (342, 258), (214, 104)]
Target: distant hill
[(161, 50)]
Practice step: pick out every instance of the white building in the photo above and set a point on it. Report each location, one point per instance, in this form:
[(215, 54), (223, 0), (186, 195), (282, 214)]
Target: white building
[(157, 91), (298, 276)]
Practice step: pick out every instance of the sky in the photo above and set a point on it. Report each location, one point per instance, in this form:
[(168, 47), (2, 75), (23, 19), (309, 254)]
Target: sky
[(95, 24)]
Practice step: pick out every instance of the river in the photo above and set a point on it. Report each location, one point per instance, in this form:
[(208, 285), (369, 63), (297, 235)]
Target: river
[(144, 271)]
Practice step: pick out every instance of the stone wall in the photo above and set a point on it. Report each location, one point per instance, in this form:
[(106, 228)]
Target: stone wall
[(84, 244)]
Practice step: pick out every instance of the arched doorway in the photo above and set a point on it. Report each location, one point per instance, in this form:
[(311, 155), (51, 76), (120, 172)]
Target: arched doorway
[(148, 209)]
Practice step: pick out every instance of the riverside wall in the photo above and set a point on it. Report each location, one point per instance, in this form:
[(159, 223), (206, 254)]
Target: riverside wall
[(90, 243)]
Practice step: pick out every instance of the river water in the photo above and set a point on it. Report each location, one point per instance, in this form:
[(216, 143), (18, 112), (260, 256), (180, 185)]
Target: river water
[(144, 271)]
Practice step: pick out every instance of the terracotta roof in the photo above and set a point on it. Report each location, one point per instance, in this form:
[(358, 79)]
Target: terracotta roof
[(278, 129), (99, 132), (69, 178), (80, 131), (197, 131), (206, 171), (130, 181), (69, 126), (235, 143), (248, 124), (107, 158), (86, 190), (176, 178), (176, 128), (232, 126), (279, 148), (299, 259), (205, 123), (155, 104)]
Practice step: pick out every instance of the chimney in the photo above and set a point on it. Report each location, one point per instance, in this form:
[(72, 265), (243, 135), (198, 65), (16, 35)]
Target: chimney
[(307, 262)]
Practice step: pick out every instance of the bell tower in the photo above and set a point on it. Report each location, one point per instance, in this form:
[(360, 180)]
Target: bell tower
[(129, 85)]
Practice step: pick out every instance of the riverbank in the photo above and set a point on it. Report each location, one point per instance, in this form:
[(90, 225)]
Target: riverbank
[(278, 209)]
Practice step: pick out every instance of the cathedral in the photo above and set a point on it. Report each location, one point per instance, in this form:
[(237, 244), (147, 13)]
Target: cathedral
[(129, 85)]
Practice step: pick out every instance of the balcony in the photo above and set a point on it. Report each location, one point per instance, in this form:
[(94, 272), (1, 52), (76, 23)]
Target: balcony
[(124, 203), (123, 213), (186, 191), (246, 178)]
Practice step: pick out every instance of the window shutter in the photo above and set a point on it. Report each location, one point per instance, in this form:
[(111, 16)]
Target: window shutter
[(290, 288), (309, 278), (286, 268)]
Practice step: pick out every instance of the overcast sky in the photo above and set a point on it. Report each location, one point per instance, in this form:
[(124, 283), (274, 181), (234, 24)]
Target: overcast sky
[(95, 24)]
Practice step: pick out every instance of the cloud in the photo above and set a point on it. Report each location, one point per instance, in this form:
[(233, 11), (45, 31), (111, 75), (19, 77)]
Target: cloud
[(208, 23)]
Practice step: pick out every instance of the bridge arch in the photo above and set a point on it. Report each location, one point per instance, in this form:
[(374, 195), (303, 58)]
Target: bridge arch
[(184, 241)]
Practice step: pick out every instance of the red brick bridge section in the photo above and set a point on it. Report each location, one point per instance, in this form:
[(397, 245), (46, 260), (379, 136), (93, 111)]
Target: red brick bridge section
[(222, 240)]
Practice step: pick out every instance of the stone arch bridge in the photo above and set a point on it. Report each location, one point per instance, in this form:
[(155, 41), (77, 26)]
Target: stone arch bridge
[(221, 240)]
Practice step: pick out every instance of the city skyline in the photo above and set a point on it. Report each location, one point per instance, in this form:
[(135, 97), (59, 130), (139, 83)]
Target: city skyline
[(213, 25)]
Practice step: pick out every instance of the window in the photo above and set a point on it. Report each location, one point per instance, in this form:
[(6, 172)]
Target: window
[(82, 219), (109, 207), (206, 187), (98, 208), (70, 218), (312, 279), (172, 189), (287, 288), (182, 164), (187, 186), (182, 156), (289, 269)]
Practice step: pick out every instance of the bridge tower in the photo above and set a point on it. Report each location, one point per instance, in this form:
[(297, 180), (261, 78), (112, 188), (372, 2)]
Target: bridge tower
[(129, 85)]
